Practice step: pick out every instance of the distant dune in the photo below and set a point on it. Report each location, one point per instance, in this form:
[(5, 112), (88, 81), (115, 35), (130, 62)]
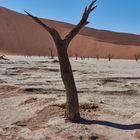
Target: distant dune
[(20, 35)]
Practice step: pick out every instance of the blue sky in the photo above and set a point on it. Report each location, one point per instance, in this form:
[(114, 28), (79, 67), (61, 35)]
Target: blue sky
[(115, 15)]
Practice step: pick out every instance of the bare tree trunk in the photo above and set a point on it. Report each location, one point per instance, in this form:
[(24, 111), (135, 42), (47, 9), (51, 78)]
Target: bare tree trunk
[(76, 56), (109, 57), (72, 104), (137, 56), (51, 53)]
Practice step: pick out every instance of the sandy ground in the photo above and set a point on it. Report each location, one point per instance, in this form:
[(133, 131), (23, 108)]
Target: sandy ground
[(32, 98)]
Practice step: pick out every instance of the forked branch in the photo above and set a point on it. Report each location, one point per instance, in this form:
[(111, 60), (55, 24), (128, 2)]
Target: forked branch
[(82, 22), (53, 32)]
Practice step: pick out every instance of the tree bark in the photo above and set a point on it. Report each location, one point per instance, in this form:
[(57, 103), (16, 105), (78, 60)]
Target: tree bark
[(72, 104)]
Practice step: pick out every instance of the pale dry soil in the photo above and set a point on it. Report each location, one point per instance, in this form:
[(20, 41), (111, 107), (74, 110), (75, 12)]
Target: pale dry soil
[(32, 100)]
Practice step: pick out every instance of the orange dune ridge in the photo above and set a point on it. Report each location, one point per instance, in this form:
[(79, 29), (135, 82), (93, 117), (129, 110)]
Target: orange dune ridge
[(20, 35)]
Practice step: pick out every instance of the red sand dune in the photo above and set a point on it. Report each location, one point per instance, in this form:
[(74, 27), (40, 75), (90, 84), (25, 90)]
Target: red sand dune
[(20, 35)]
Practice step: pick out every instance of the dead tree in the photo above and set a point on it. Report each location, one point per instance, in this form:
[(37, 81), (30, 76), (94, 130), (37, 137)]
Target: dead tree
[(97, 57), (51, 53), (96, 51), (109, 57), (69, 53), (137, 57), (72, 104), (76, 56)]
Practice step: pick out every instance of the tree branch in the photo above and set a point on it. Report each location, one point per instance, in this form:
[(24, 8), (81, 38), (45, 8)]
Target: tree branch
[(82, 22), (53, 32)]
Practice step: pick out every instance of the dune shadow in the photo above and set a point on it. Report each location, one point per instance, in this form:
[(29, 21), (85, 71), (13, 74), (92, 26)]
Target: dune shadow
[(111, 124)]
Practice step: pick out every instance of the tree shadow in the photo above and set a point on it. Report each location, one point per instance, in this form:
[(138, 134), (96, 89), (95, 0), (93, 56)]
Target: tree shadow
[(110, 124)]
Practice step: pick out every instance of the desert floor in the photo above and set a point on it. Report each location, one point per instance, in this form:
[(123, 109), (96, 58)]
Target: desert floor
[(32, 100)]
